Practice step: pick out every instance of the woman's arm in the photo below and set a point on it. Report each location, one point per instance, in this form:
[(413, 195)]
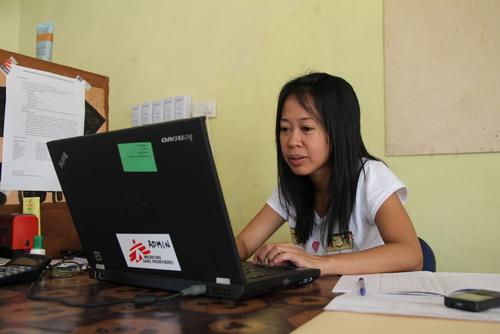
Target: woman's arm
[(260, 228), (401, 251)]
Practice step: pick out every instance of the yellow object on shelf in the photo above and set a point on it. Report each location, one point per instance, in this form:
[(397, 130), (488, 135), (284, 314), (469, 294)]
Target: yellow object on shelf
[(31, 205)]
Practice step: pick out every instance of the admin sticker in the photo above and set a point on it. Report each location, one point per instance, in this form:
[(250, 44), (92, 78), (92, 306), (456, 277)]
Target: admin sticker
[(148, 251)]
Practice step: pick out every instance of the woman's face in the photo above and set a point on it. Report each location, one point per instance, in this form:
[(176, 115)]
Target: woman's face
[(304, 141)]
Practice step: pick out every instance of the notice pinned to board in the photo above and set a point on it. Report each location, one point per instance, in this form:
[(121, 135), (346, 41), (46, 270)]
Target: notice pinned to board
[(40, 106)]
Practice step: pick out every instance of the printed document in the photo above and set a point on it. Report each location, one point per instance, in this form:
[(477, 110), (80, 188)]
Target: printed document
[(419, 293), (40, 107)]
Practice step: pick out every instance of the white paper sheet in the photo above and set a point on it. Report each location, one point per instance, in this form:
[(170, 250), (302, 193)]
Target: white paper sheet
[(398, 293), (40, 107), (421, 306), (419, 282)]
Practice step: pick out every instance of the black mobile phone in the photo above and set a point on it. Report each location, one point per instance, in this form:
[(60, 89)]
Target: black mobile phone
[(473, 300)]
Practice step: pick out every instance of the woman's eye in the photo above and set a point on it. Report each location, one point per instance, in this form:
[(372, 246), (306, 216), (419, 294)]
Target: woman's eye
[(284, 129), (307, 128)]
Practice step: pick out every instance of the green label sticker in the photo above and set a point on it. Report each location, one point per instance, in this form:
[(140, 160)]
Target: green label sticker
[(137, 157)]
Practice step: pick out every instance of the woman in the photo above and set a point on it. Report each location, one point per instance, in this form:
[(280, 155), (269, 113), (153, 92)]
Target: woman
[(343, 205)]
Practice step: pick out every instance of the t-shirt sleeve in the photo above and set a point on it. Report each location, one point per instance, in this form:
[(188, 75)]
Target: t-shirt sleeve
[(377, 183), (274, 202)]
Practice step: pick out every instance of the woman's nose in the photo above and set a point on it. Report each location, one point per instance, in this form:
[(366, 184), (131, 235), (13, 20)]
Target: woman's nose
[(294, 139)]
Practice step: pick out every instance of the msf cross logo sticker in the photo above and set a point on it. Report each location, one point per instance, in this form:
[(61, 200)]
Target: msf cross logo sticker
[(137, 252)]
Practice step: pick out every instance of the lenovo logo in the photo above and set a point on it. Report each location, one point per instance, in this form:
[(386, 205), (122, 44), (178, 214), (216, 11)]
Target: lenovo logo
[(171, 139), (62, 160)]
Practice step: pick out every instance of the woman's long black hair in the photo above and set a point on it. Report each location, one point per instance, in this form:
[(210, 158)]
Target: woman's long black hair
[(337, 106)]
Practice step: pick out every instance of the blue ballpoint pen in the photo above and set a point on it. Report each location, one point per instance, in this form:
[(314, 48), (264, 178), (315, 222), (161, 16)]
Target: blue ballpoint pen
[(362, 289)]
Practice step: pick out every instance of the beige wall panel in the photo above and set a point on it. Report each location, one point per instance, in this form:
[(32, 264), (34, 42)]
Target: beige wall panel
[(442, 76)]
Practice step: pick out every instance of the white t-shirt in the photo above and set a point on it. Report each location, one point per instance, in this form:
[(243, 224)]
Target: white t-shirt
[(375, 185)]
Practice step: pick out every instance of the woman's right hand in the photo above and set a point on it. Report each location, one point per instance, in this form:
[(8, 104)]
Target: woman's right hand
[(281, 254)]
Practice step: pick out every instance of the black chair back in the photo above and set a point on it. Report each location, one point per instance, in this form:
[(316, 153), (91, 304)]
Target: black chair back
[(429, 258)]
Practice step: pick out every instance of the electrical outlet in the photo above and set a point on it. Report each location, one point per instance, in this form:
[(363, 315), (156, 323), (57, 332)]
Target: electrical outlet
[(205, 108)]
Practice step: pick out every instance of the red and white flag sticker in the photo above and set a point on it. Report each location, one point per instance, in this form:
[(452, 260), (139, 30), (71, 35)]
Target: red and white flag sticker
[(6, 65)]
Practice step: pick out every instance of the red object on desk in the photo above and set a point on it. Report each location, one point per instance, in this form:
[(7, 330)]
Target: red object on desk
[(16, 229)]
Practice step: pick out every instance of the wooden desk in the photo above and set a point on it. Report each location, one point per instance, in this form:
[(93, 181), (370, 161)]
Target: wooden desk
[(279, 312)]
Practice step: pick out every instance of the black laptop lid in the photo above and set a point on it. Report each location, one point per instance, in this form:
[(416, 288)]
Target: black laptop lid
[(147, 199)]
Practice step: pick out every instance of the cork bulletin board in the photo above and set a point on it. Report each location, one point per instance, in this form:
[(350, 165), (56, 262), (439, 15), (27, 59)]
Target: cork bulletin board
[(442, 76), (56, 222), (96, 97)]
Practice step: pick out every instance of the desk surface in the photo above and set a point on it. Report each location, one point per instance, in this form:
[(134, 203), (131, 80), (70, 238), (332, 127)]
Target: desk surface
[(279, 312)]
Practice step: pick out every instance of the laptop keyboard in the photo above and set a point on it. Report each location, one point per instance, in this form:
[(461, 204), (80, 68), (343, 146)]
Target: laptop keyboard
[(251, 270)]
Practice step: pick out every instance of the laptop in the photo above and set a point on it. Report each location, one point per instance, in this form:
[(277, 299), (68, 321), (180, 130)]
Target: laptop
[(148, 208)]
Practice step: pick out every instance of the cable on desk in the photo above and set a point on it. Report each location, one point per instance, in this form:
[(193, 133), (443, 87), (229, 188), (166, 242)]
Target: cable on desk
[(138, 300)]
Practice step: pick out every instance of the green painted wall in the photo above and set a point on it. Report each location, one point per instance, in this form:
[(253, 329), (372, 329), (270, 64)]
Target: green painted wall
[(241, 53), (10, 11)]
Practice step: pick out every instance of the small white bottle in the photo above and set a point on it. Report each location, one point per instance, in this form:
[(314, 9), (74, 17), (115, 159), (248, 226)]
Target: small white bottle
[(38, 245)]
